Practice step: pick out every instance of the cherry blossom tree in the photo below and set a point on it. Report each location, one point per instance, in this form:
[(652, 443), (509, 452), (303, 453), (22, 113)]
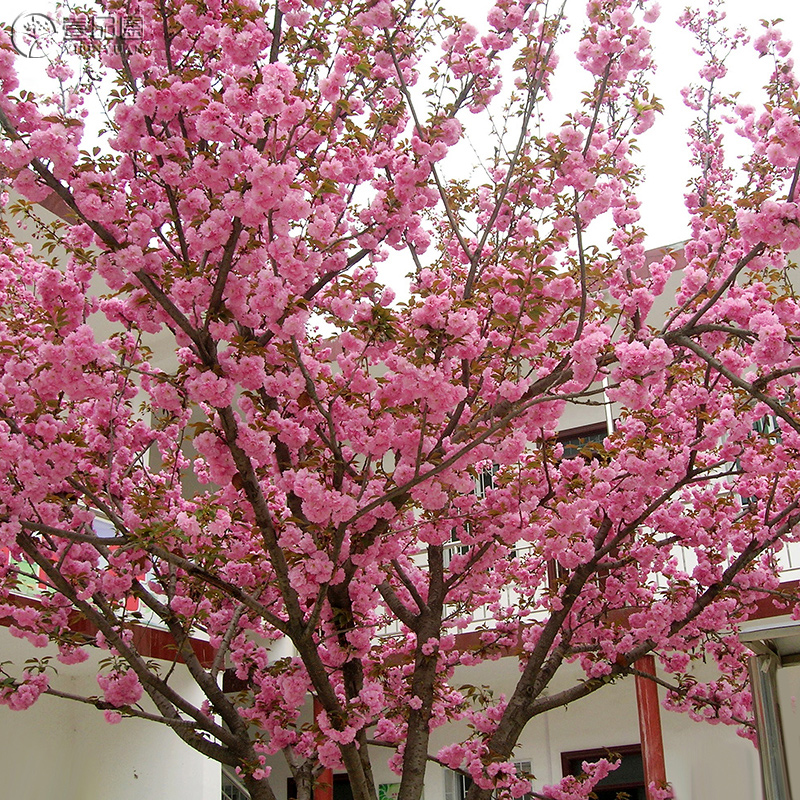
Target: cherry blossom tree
[(213, 405)]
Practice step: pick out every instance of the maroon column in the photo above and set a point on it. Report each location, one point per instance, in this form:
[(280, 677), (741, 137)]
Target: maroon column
[(650, 724), (323, 786)]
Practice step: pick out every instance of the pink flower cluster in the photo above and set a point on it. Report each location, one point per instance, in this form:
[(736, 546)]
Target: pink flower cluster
[(775, 223), (121, 688), (23, 694)]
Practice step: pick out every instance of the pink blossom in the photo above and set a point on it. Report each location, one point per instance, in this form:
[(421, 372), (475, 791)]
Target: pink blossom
[(121, 688), (653, 12), (24, 694), (328, 477)]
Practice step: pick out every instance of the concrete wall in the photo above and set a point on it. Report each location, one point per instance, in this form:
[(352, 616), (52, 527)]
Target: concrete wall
[(709, 761), (703, 761), (788, 678), (62, 750)]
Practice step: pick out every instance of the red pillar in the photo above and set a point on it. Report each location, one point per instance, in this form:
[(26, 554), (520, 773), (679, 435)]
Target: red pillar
[(650, 724), (323, 787)]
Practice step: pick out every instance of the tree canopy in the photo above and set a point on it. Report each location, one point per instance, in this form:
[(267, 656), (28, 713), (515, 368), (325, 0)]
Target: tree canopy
[(215, 410)]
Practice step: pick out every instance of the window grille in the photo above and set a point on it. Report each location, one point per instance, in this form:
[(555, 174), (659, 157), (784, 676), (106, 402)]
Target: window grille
[(483, 482), (232, 787)]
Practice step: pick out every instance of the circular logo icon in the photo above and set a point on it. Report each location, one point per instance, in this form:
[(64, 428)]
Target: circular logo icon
[(31, 33)]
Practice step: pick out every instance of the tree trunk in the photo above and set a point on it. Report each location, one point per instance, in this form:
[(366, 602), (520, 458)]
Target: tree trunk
[(258, 789)]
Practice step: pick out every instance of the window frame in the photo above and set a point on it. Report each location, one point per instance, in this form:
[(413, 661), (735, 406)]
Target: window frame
[(587, 432), (568, 758), (456, 783)]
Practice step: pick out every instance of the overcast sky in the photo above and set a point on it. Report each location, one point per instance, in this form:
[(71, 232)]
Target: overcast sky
[(664, 149)]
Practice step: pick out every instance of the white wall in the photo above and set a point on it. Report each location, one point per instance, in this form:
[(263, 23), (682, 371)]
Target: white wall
[(703, 761), (788, 698), (61, 750)]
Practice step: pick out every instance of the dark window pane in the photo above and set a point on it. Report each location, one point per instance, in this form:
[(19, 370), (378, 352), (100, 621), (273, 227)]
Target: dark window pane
[(637, 793), (624, 783), (341, 788), (583, 441)]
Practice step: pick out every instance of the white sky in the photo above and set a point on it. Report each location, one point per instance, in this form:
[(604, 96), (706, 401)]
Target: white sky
[(664, 149), (664, 146)]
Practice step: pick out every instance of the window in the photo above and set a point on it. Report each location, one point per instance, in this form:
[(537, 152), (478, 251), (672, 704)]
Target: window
[(483, 481), (456, 784), (525, 770), (232, 787), (556, 574), (104, 529), (586, 441), (624, 783), (768, 428), (341, 789)]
